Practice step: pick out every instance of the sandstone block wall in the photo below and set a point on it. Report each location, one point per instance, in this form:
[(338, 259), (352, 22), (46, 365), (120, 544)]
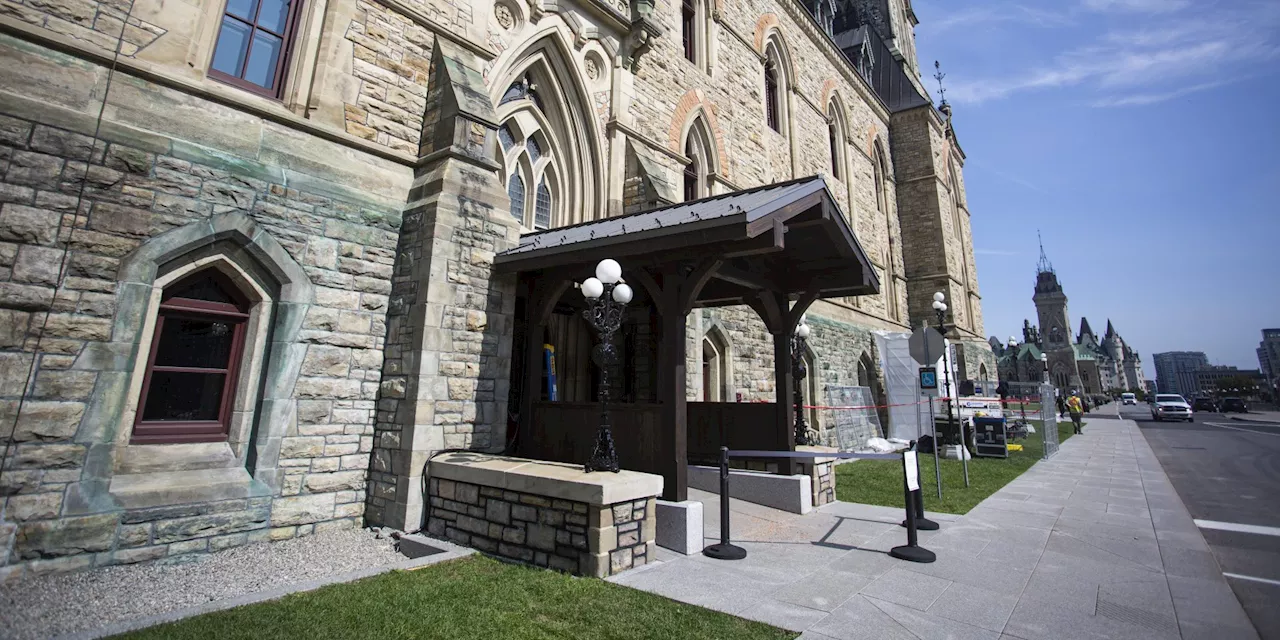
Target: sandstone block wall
[(138, 182), (570, 536), (823, 475), (835, 347)]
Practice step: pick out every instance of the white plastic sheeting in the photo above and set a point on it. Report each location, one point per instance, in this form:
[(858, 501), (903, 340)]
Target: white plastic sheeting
[(900, 372), (902, 376)]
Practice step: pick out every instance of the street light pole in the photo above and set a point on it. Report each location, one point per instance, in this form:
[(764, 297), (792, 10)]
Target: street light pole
[(798, 374), (607, 297), (940, 307)]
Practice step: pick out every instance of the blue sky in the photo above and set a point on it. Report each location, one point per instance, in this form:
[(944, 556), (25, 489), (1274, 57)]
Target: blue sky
[(1142, 137)]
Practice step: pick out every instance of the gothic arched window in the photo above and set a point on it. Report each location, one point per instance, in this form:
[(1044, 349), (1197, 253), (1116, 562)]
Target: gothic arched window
[(195, 357), (542, 207), (776, 84), (835, 138), (515, 191), (698, 148), (528, 160), (691, 172), (771, 97)]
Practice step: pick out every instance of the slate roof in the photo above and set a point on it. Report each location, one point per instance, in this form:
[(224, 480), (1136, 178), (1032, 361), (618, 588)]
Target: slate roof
[(888, 79), (747, 205), (720, 224)]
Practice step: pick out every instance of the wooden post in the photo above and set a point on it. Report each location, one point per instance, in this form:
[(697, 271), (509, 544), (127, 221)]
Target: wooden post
[(673, 455), (785, 398)]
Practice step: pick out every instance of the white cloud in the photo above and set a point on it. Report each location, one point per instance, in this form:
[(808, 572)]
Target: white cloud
[(1142, 99), (1136, 6), (1155, 60), (995, 14)]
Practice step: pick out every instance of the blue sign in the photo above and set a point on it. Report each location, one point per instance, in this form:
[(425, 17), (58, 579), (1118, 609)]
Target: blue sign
[(928, 378)]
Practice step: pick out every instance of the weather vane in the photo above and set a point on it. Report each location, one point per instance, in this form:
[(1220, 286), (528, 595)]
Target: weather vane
[(939, 75)]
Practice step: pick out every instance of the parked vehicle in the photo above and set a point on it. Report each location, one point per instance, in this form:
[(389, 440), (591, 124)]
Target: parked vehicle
[(1205, 404), (1128, 398), (1234, 405), (1171, 406)]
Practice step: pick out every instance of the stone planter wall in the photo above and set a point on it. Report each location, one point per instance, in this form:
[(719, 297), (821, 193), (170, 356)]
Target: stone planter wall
[(549, 521)]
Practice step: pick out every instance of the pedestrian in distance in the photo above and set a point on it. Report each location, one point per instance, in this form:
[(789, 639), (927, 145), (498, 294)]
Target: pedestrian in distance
[(1076, 408), (1062, 407)]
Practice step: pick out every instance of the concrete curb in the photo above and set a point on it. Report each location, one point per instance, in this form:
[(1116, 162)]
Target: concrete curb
[(1275, 423), (451, 552)]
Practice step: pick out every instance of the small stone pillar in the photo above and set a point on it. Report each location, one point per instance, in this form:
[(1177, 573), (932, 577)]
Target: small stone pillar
[(822, 472)]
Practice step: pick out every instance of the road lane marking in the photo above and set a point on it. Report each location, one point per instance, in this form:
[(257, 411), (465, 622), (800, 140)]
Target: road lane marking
[(1227, 426), (1252, 578), (1238, 528)]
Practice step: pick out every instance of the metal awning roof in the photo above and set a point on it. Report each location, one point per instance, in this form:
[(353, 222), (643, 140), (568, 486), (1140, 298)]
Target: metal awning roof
[(787, 237)]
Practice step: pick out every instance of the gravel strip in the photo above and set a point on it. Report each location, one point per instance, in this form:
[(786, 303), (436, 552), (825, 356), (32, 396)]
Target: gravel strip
[(60, 604)]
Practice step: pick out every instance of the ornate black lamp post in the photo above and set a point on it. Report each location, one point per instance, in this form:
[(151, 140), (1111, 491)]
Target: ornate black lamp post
[(798, 374), (607, 297)]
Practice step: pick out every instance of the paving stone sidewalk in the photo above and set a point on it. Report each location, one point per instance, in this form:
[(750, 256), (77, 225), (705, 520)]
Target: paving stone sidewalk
[(1094, 543)]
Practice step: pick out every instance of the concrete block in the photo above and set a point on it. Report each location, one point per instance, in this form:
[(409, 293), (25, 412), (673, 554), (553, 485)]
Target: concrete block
[(788, 493), (680, 526)]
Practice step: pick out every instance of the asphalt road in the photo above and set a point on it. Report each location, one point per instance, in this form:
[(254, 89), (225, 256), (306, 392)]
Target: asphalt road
[(1228, 474)]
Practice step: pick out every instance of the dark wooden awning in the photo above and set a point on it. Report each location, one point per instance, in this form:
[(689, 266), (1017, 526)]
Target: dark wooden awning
[(789, 238), (777, 249)]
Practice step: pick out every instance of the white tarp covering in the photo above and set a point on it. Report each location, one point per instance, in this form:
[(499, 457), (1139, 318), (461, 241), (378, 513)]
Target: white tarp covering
[(901, 375), (900, 392)]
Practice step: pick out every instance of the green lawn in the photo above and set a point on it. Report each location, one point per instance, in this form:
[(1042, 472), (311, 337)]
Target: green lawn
[(880, 481), (473, 597)]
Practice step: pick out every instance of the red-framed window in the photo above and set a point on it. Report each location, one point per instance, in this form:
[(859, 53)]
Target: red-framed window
[(189, 386), (254, 42)]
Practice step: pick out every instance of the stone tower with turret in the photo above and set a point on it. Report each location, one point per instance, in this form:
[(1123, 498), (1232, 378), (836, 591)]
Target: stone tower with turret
[(1055, 325)]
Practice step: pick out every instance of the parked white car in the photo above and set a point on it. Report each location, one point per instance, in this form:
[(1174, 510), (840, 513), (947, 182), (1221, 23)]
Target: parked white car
[(1171, 406)]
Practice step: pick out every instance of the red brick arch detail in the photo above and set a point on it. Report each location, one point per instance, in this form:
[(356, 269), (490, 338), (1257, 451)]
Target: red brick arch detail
[(692, 101), (871, 141), (719, 7), (766, 22), (828, 88)]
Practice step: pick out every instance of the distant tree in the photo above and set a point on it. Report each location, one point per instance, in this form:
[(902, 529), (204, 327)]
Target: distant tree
[(1237, 386)]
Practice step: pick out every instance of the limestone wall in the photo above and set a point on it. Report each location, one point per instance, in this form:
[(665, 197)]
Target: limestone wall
[(312, 223)]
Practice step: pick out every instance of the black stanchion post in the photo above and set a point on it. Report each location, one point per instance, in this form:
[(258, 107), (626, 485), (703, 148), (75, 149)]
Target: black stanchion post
[(922, 523), (912, 552), (724, 550)]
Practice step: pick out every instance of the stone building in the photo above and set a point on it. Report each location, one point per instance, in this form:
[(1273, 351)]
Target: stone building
[(1085, 362), (245, 252)]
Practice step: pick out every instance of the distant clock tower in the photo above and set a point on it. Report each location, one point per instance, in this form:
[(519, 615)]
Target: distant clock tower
[(1055, 326)]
